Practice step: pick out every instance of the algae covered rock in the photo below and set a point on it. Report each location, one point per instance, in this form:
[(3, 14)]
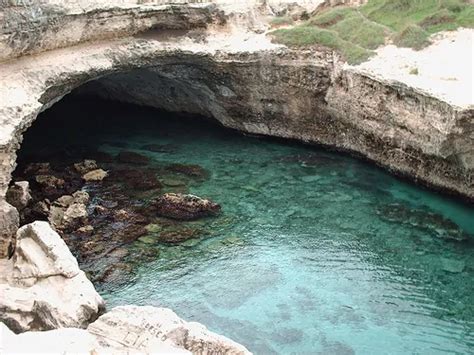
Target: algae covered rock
[(184, 207)]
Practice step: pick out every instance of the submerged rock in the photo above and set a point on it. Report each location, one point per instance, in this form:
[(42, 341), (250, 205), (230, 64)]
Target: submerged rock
[(42, 286), (160, 148), (173, 182), (178, 235), (434, 223), (184, 207), (191, 170), (143, 179), (453, 266), (132, 158)]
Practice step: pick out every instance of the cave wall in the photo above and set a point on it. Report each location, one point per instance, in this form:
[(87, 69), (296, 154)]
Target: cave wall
[(30, 27), (235, 76)]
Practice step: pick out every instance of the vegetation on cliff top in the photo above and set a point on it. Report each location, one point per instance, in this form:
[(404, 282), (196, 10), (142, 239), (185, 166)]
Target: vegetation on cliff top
[(356, 32)]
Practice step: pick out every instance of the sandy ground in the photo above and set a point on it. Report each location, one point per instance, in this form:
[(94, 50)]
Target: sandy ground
[(445, 69)]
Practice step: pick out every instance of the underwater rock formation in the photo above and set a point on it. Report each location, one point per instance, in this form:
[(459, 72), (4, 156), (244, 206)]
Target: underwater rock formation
[(184, 207)]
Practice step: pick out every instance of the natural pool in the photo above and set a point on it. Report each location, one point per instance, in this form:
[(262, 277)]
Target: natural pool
[(315, 252)]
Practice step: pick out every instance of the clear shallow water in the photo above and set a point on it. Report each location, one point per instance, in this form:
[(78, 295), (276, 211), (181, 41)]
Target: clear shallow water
[(315, 252)]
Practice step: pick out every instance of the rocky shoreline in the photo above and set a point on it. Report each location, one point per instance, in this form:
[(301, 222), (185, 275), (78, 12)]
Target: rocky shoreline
[(100, 208), (43, 288)]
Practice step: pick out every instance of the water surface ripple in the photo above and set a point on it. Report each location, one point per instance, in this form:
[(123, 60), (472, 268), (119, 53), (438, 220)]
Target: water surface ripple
[(315, 252)]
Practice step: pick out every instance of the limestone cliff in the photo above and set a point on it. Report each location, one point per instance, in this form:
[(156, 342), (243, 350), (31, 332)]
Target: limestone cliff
[(221, 68)]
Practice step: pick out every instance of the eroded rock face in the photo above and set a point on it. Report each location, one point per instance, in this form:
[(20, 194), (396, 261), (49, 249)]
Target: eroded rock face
[(145, 327), (52, 24), (184, 207), (42, 286), (125, 330)]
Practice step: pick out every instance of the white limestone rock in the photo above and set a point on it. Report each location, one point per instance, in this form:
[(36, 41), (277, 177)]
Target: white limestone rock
[(59, 341), (71, 341), (146, 328), (126, 330), (42, 286), (95, 175), (41, 252)]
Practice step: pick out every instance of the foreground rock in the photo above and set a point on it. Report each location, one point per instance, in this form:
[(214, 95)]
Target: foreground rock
[(42, 286), (125, 330), (146, 327), (184, 207)]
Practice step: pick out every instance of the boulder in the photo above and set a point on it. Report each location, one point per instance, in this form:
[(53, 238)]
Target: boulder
[(49, 181), (125, 330), (71, 341), (85, 166), (146, 328), (184, 207), (95, 175), (9, 222), (40, 254), (19, 195), (42, 286), (69, 212)]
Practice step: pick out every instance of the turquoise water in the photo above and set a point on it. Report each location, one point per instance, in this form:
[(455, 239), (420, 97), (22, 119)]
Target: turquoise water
[(315, 252)]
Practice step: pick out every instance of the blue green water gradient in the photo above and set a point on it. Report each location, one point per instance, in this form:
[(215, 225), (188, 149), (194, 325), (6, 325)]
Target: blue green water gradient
[(314, 253)]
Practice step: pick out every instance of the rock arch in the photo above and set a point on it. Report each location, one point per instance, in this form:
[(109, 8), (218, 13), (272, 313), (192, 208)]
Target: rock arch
[(244, 81)]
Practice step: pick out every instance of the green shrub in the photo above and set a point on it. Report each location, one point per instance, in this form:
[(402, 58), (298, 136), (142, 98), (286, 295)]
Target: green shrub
[(281, 21), (330, 17), (311, 35), (354, 32), (412, 36)]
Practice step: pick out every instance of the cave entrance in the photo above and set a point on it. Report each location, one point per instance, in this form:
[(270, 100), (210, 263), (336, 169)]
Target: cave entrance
[(94, 166), (302, 236)]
